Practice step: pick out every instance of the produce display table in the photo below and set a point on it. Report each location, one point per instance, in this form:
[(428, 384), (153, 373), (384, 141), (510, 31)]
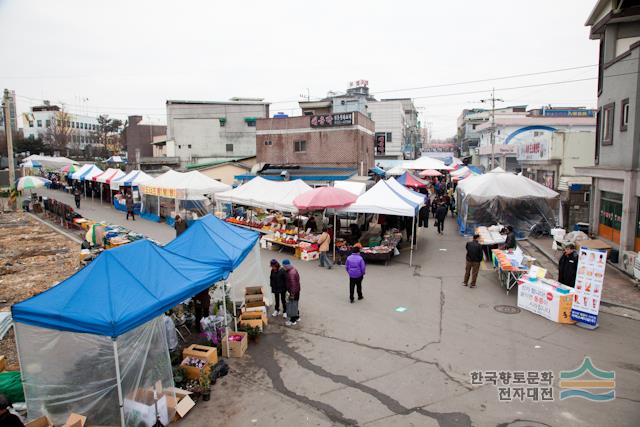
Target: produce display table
[(509, 271), (490, 238)]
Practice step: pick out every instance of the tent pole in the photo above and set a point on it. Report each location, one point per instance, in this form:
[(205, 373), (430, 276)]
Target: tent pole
[(118, 380), (158, 206), (224, 307), (415, 231), (100, 193), (335, 235), (411, 254)]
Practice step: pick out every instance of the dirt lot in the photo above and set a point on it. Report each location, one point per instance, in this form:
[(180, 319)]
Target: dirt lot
[(33, 258)]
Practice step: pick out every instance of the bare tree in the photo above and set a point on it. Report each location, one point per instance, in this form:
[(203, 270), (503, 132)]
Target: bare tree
[(59, 133)]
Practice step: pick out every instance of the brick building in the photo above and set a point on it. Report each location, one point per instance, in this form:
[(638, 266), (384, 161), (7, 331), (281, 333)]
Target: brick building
[(138, 137), (343, 140)]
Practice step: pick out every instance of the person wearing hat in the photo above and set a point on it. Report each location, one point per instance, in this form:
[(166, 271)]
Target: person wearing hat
[(278, 281), (7, 419), (356, 268), (293, 287), (568, 266), (180, 225)]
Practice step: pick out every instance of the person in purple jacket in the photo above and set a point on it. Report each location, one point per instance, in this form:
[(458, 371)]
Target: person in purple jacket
[(355, 268)]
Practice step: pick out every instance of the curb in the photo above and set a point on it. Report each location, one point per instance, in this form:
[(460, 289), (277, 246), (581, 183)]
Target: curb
[(603, 301)]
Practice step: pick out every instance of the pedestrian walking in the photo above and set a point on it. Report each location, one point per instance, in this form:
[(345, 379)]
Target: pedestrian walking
[(434, 206), (278, 281), (293, 287), (324, 243), (474, 257), (441, 215), (568, 266), (180, 225), (423, 214), (452, 206), (76, 196), (356, 268), (128, 200)]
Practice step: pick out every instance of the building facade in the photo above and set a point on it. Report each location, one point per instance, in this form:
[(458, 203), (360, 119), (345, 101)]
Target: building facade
[(44, 121), (203, 130), (331, 141), (470, 119), (512, 131), (13, 114), (138, 137), (615, 169)]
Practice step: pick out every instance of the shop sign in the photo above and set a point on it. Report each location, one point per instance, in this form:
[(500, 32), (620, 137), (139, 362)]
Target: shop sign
[(533, 150), (381, 142), (330, 120), (588, 286), (543, 300), (500, 149)]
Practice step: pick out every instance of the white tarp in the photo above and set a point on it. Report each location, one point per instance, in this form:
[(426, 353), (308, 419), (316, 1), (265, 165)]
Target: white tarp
[(425, 162), (132, 179), (405, 192), (109, 175), (395, 171), (382, 199), (185, 186), (357, 188), (499, 183), (266, 194), (51, 162)]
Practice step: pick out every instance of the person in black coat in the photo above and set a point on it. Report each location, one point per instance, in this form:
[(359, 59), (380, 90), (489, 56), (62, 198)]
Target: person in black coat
[(510, 243), (423, 215), (441, 215), (278, 281), (568, 266)]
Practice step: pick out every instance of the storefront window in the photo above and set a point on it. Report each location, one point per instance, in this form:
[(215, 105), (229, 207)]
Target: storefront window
[(610, 216)]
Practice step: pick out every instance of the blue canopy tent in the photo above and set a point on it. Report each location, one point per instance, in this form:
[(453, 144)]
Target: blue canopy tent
[(95, 344), (214, 241)]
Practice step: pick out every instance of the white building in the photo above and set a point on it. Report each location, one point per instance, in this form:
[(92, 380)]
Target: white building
[(390, 122), (203, 130), (38, 122), (510, 131)]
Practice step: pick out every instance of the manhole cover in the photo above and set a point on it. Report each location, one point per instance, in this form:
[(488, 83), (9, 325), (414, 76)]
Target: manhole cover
[(506, 309)]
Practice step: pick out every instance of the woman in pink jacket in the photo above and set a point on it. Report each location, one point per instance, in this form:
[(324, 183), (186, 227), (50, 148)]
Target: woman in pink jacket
[(355, 268)]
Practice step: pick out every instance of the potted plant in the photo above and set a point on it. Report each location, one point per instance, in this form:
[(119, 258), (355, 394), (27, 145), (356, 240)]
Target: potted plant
[(205, 384), (178, 376), (253, 332)]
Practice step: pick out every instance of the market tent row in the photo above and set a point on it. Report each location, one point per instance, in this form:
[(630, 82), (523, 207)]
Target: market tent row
[(499, 197), (132, 179), (104, 181), (188, 194), (217, 242), (383, 199), (49, 162), (86, 172), (95, 342), (266, 194), (131, 183)]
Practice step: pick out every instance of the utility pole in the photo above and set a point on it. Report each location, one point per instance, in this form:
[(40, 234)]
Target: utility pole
[(7, 130), (493, 100)]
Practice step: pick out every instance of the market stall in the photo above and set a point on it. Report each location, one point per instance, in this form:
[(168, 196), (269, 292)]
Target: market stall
[(383, 199), (510, 266), (266, 194), (85, 348), (490, 238), (500, 197), (409, 180), (187, 194), (130, 182), (104, 181)]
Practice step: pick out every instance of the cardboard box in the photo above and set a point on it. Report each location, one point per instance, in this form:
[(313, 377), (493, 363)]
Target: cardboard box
[(253, 319), (210, 354), (3, 363), (75, 420), (593, 244), (252, 290), (253, 298), (179, 405), (309, 256), (140, 408), (192, 372), (236, 348), (40, 422)]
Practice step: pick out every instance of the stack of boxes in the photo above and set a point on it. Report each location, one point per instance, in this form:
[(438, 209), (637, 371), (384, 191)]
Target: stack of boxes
[(254, 311)]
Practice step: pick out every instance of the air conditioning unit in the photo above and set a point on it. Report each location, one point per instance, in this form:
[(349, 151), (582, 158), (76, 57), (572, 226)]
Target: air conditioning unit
[(629, 264)]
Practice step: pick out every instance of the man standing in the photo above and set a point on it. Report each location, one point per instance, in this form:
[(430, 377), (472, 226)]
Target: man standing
[(76, 197), (423, 214), (293, 287), (474, 257), (180, 225), (510, 243), (324, 243), (441, 215), (355, 269), (128, 199), (278, 281), (568, 266)]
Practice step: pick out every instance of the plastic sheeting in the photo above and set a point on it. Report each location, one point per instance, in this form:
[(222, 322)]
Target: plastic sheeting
[(252, 272), (66, 372)]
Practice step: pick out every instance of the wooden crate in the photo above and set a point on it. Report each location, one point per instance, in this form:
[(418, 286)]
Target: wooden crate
[(236, 348), (210, 354)]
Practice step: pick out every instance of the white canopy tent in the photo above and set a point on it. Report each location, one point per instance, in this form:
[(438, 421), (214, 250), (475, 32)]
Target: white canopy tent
[(395, 171), (132, 179), (502, 197), (383, 199), (405, 192), (109, 175), (83, 169), (357, 188), (425, 162), (266, 194), (49, 162)]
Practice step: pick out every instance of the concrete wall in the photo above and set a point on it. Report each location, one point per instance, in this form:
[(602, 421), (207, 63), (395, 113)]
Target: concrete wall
[(138, 138), (224, 173), (197, 131), (572, 149), (389, 116)]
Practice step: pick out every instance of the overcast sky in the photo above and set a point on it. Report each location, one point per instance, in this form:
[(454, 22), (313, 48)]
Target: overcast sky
[(129, 57)]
